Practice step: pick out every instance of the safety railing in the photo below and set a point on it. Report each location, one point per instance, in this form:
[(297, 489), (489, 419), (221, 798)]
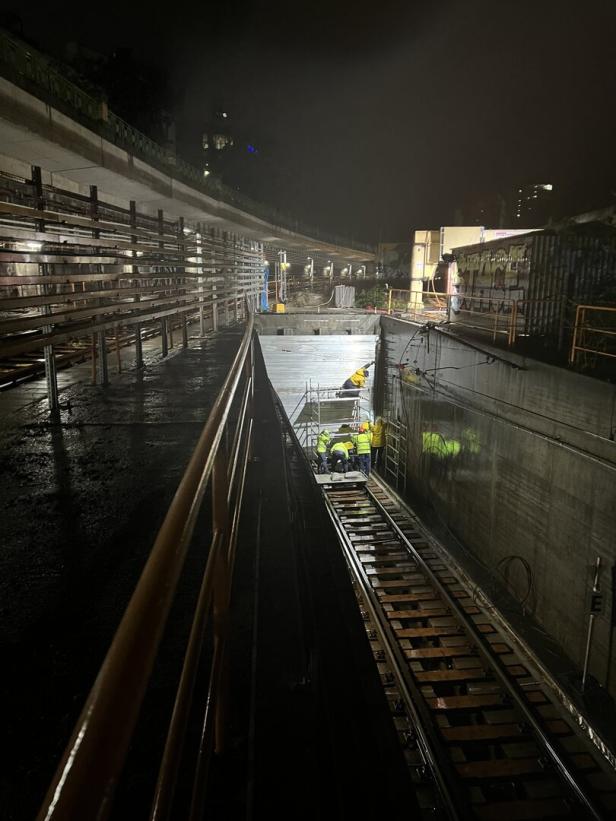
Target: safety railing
[(83, 785), (417, 304), (594, 332), (495, 315)]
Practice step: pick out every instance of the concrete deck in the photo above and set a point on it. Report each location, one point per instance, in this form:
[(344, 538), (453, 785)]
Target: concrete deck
[(82, 502)]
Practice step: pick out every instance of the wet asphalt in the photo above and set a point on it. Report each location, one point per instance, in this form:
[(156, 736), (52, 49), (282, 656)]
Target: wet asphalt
[(81, 503)]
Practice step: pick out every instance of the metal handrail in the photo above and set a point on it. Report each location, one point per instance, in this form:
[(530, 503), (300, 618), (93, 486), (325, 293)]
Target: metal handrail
[(583, 327), (84, 782)]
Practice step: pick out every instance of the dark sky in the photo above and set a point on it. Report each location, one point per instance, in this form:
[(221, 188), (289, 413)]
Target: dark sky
[(378, 118)]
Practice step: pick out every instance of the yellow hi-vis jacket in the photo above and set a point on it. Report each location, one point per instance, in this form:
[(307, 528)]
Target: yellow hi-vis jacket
[(322, 442), (363, 442), (342, 447), (359, 377), (378, 433), (436, 445)]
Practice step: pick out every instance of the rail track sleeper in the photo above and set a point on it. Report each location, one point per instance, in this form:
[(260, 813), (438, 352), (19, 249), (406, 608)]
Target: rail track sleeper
[(464, 670)]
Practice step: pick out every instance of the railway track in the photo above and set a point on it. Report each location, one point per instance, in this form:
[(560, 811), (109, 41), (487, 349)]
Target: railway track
[(483, 736)]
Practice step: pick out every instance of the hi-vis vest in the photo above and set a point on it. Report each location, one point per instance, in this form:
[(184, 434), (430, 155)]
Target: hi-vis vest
[(340, 447), (322, 443), (362, 443), (436, 445)]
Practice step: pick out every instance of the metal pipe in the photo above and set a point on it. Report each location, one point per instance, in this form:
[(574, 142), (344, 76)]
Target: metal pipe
[(93, 372), (214, 309), (184, 332), (117, 348), (138, 347), (163, 337), (596, 593)]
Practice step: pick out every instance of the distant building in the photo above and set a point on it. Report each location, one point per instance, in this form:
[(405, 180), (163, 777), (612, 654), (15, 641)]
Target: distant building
[(229, 155), (216, 142), (534, 205), (488, 209), (394, 259)]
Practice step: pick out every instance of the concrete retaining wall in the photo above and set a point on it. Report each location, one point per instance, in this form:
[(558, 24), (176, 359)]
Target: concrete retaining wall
[(307, 324), (535, 475)]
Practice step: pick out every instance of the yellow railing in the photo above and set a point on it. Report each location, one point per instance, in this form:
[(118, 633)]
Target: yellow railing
[(84, 782), (588, 335), (496, 316)]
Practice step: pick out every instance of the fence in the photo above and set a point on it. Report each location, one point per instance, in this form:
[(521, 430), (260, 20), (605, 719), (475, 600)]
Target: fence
[(76, 270), (592, 338), (496, 316), (86, 777)]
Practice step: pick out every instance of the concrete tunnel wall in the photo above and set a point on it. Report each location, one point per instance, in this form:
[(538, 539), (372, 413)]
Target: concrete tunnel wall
[(535, 476)]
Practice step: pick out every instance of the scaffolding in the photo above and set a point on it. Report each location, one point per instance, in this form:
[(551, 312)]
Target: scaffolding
[(328, 408)]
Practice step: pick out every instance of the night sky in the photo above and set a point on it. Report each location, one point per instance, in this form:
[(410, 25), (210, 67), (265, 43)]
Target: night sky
[(373, 119)]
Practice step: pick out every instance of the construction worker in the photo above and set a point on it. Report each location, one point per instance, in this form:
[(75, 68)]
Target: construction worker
[(340, 453), (363, 443), (435, 444), (323, 440), (378, 440), (356, 381)]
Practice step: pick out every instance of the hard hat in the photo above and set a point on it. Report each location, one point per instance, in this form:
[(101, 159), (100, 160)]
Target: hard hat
[(364, 426), (325, 433)]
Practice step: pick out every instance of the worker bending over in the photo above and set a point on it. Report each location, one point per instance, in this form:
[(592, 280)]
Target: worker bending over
[(356, 381), (363, 443), (340, 453), (323, 441)]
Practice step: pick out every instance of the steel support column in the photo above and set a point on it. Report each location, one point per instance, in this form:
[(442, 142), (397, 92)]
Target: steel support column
[(163, 337), (135, 270), (102, 358), (51, 376), (214, 309)]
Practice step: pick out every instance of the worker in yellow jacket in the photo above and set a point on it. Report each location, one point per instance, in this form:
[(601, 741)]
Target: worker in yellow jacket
[(356, 381), (323, 440), (363, 443), (378, 440), (435, 444), (340, 453)]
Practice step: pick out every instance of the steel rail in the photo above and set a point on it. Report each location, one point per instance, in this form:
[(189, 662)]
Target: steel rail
[(451, 797), (84, 783), (562, 766), (426, 737)]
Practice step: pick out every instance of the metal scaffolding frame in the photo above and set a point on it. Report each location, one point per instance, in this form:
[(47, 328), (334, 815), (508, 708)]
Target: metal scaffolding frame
[(321, 408)]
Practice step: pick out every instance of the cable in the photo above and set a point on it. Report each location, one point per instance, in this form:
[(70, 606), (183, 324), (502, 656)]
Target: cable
[(322, 304)]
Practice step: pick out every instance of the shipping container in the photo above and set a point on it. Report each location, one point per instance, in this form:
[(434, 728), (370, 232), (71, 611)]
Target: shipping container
[(539, 278)]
